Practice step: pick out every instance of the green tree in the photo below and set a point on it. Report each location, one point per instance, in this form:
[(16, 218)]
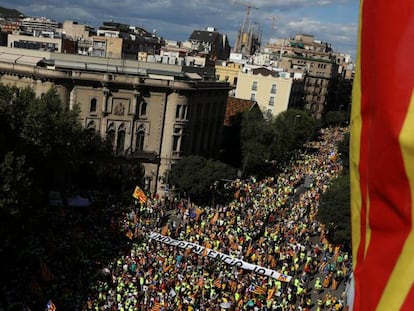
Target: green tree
[(196, 175), (14, 184), (290, 130), (343, 150), (255, 136), (334, 210), (50, 127), (335, 117)]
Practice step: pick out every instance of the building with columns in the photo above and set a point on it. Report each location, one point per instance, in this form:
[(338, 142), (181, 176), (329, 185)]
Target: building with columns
[(152, 113)]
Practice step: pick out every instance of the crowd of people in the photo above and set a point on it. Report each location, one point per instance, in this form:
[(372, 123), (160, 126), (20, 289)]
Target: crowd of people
[(270, 223)]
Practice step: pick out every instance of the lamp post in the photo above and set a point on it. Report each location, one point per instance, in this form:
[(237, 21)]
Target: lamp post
[(298, 116), (170, 162)]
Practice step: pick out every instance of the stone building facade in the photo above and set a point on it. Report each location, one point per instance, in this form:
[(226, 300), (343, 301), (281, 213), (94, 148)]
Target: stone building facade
[(153, 113)]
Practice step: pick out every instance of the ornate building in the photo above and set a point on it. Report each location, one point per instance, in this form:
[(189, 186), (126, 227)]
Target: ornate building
[(151, 112)]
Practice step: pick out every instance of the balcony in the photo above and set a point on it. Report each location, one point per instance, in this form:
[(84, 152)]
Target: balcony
[(142, 156)]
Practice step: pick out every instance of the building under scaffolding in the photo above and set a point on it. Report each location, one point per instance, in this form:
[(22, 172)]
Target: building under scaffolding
[(249, 37)]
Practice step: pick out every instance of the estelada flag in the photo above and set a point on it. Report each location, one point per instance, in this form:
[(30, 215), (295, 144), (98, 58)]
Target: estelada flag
[(259, 290), (217, 283), (382, 158), (50, 306), (140, 195), (270, 293)]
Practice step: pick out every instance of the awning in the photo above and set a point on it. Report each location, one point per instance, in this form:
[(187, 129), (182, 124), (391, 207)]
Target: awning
[(8, 58), (193, 75), (29, 60)]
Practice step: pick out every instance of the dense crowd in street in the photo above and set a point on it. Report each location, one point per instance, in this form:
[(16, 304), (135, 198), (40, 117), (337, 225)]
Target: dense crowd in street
[(270, 223)]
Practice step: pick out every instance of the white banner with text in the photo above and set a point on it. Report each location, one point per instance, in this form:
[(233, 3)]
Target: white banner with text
[(201, 250)]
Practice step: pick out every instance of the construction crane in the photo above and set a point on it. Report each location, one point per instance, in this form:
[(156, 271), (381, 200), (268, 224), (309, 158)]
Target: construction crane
[(272, 30), (244, 39), (248, 6)]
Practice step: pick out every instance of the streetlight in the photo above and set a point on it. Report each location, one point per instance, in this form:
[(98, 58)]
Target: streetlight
[(170, 163), (298, 116)]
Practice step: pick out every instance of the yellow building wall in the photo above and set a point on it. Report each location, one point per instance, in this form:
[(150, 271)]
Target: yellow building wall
[(228, 73), (263, 91)]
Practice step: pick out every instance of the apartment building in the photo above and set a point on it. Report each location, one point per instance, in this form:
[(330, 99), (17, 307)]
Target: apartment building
[(211, 43), (36, 25), (271, 90), (46, 42), (76, 31), (152, 113), (228, 72), (312, 58)]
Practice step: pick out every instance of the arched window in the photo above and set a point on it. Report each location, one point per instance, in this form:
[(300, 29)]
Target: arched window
[(120, 142), (139, 144), (110, 134), (142, 108), (92, 107), (91, 126)]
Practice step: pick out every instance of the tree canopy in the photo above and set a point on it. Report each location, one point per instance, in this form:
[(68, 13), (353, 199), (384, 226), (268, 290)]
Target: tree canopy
[(43, 147), (334, 209), (195, 176), (271, 141), (42, 143)]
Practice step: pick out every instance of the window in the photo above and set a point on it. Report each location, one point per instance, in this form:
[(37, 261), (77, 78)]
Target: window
[(139, 144), (271, 101), (181, 112), (235, 81), (120, 141), (254, 86), (178, 141), (226, 78), (273, 89), (269, 113), (253, 96), (142, 108), (110, 136), (91, 127)]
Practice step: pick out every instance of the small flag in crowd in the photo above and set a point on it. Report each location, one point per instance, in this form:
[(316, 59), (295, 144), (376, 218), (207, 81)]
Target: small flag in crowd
[(129, 234), (140, 195), (249, 250), (157, 306), (282, 278), (47, 275), (217, 283), (50, 306), (205, 252), (214, 219), (259, 290), (270, 293), (164, 230)]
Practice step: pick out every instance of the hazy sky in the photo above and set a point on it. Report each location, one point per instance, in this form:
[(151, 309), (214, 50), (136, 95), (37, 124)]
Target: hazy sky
[(333, 21)]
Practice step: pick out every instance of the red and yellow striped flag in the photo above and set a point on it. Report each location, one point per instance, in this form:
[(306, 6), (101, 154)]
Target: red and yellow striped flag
[(259, 290), (214, 219), (140, 195), (217, 283), (382, 157), (164, 230)]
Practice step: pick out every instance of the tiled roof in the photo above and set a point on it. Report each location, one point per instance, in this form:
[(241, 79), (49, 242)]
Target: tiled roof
[(235, 106), (204, 36), (264, 72)]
